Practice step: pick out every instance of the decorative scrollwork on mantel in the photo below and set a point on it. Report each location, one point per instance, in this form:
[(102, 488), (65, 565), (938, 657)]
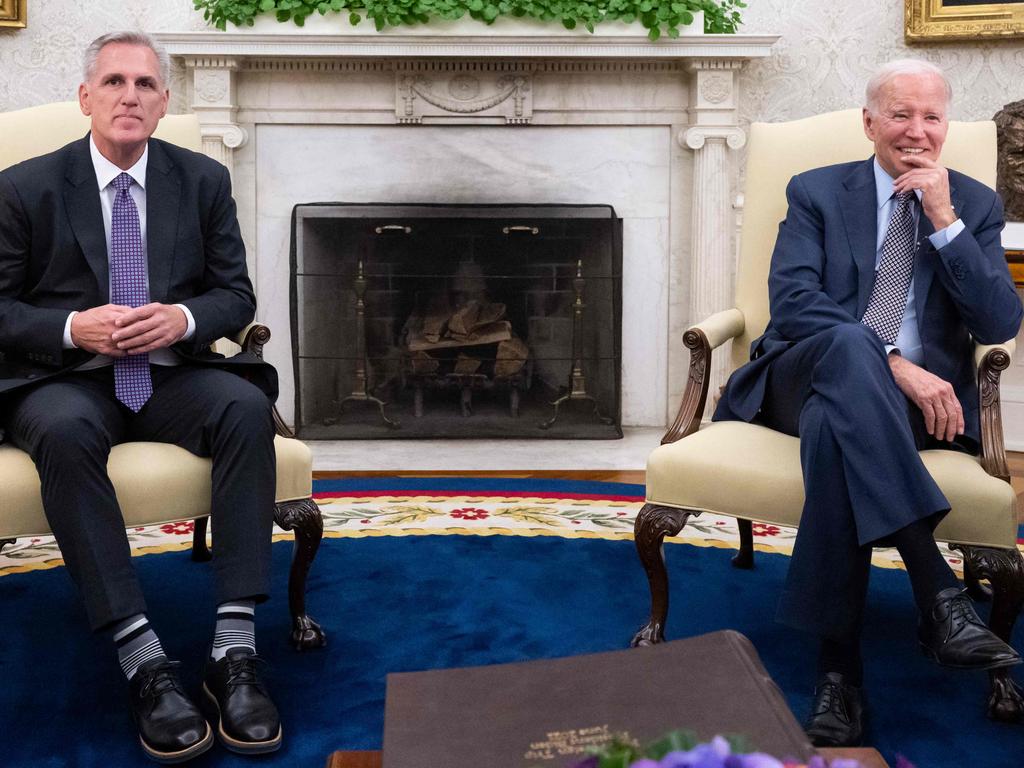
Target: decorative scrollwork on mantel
[(697, 136), (464, 95)]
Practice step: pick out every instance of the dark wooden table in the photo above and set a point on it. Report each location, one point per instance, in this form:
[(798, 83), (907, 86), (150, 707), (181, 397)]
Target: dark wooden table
[(869, 758)]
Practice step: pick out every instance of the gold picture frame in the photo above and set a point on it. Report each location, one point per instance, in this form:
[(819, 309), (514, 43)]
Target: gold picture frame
[(13, 13), (939, 20)]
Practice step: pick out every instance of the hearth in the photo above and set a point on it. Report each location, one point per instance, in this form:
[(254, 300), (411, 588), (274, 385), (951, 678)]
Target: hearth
[(426, 320)]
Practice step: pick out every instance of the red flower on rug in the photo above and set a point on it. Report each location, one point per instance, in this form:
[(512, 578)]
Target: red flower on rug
[(178, 528), (470, 513), (763, 529)]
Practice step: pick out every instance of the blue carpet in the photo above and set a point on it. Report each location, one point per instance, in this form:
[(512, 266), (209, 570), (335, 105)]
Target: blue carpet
[(398, 604)]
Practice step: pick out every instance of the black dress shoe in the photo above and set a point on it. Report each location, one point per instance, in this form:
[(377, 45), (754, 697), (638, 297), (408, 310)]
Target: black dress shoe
[(248, 720), (171, 727), (952, 634), (837, 716)]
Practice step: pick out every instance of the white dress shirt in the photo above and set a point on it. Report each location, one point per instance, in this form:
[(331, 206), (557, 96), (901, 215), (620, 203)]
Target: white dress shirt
[(106, 172)]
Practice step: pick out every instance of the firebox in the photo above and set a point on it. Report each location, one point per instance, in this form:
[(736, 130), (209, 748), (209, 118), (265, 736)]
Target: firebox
[(464, 321)]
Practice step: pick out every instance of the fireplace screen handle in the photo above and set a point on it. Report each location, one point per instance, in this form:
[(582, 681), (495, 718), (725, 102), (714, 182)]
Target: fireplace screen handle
[(520, 228), (393, 228)]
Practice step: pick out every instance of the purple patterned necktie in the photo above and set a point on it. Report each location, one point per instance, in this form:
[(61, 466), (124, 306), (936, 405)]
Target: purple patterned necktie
[(888, 302), (133, 384)]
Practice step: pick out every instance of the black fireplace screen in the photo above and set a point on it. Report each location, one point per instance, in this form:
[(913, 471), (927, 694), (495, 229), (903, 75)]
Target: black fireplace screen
[(456, 320)]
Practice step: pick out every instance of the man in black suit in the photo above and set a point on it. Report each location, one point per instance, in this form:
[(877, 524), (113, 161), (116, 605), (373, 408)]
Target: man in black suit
[(120, 262), (885, 272)]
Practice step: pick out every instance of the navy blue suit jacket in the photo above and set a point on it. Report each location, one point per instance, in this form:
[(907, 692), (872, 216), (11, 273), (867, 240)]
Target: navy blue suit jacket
[(822, 274), (53, 258)]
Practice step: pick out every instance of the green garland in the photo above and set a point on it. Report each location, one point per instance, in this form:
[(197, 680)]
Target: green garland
[(658, 16)]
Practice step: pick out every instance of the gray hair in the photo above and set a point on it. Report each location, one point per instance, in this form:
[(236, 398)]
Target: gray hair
[(92, 53), (888, 71)]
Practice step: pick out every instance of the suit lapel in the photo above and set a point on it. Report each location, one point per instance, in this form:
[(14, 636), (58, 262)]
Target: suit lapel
[(858, 202), (82, 202), (163, 193)]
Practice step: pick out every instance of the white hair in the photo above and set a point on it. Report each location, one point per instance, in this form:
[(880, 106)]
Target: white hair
[(893, 69), (92, 53)]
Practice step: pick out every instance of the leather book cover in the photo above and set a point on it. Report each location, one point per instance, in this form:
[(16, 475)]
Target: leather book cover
[(545, 713)]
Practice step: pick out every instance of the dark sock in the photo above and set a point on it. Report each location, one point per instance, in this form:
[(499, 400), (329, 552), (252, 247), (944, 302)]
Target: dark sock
[(841, 657), (136, 644), (928, 570)]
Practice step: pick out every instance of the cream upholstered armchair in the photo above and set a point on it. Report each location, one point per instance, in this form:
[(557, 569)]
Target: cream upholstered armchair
[(753, 473), (158, 482)]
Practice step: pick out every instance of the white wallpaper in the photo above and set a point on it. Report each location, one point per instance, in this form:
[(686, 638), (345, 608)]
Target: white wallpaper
[(826, 51)]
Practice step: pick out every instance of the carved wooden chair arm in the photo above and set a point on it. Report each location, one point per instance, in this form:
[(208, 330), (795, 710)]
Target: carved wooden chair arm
[(992, 360), (251, 339), (701, 339)]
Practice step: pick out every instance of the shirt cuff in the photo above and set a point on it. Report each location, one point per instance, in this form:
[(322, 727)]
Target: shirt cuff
[(68, 343), (190, 331), (892, 349), (945, 236)]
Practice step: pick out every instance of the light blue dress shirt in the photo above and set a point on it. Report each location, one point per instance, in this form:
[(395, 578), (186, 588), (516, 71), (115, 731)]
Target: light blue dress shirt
[(908, 341)]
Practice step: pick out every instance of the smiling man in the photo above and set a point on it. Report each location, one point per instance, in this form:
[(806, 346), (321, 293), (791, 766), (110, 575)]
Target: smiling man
[(884, 274), (120, 262)]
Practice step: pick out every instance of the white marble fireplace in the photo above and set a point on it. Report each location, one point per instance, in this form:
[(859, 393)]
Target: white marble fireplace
[(648, 128)]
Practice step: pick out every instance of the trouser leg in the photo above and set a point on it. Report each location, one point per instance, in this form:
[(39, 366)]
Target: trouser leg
[(216, 414), (863, 476), (68, 426)]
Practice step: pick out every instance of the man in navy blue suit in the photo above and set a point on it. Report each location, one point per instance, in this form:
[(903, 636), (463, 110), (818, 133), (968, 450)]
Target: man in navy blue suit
[(884, 274)]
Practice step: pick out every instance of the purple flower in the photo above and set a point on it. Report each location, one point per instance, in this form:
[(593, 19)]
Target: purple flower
[(645, 763)]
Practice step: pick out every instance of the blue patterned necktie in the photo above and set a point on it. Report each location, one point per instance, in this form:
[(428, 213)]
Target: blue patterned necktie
[(884, 313), (133, 384)]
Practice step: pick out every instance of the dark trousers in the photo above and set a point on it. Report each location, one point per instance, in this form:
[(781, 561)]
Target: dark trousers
[(863, 477), (68, 426)]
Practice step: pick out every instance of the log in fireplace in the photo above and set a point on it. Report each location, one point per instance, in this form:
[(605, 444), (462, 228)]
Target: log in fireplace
[(420, 320)]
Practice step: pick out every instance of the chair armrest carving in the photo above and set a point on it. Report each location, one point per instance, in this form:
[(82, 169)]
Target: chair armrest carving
[(992, 360), (251, 339), (701, 339)]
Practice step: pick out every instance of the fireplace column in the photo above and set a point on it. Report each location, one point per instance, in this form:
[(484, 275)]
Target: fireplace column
[(213, 99), (713, 131)]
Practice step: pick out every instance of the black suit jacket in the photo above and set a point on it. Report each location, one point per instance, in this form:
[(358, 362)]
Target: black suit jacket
[(53, 258), (823, 269)]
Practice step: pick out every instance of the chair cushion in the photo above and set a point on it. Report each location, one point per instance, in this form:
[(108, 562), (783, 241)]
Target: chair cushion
[(155, 483), (752, 472)]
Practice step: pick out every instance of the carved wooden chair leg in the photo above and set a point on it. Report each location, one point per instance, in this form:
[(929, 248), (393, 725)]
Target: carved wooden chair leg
[(653, 524), (200, 551), (1004, 569), (303, 516), (980, 593), (744, 558)]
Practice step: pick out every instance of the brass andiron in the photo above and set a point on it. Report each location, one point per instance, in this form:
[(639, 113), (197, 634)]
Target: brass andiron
[(360, 393), (578, 382)]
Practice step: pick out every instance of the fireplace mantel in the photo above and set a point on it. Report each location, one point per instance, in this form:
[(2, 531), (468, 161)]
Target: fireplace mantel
[(274, 92)]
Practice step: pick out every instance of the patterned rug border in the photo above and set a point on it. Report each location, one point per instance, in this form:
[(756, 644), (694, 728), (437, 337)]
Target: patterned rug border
[(378, 507)]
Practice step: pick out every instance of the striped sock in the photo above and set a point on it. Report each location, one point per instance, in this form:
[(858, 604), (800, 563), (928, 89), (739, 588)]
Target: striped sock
[(136, 644), (235, 628)]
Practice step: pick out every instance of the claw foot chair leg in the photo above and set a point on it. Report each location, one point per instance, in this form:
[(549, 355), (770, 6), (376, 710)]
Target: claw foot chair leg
[(653, 524), (303, 516), (200, 550), (1004, 569), (744, 558)]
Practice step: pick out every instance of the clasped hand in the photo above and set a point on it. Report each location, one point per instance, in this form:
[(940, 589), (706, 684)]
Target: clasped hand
[(116, 330), (943, 415)]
